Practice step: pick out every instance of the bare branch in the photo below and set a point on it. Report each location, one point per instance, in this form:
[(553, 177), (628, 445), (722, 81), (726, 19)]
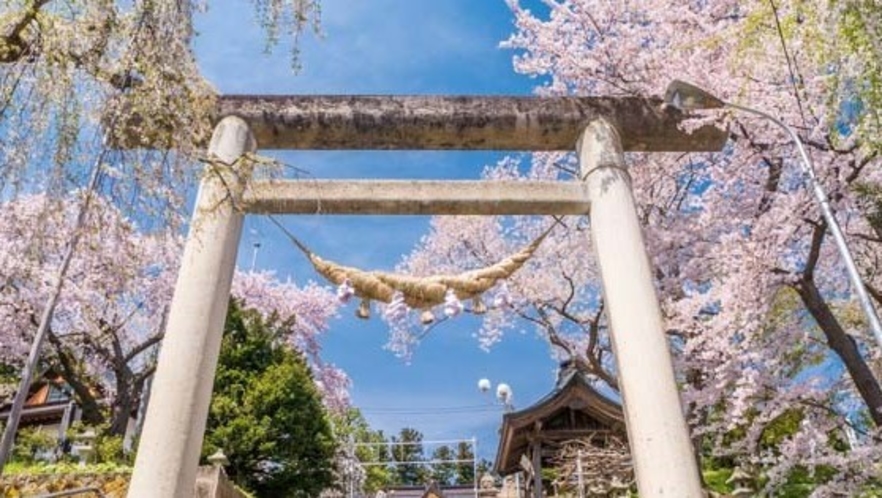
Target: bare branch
[(150, 341), (874, 292)]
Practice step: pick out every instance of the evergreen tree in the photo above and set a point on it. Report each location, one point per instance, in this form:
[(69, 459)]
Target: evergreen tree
[(379, 476), (407, 454), (443, 468), (465, 466), (266, 413)]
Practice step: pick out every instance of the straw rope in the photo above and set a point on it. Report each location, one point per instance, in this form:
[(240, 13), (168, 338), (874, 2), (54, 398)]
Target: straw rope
[(419, 292)]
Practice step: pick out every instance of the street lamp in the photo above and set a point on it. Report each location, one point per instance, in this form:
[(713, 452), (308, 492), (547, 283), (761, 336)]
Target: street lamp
[(685, 96), (504, 393)]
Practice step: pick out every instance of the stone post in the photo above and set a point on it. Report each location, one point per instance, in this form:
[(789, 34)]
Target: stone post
[(171, 441), (659, 438)]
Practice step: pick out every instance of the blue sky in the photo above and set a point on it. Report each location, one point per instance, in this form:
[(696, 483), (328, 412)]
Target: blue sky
[(387, 47)]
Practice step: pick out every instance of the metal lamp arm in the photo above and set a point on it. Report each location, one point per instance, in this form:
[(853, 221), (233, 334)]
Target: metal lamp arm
[(827, 212)]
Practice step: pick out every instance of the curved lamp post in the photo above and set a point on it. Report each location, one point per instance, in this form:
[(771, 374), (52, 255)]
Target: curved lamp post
[(685, 96)]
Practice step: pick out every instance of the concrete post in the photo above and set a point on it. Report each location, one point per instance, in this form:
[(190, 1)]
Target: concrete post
[(659, 438), (168, 453)]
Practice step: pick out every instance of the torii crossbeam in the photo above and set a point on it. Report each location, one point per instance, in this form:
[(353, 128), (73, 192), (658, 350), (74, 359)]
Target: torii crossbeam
[(600, 129)]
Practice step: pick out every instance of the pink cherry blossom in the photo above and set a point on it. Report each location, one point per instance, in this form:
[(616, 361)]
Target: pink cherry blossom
[(110, 318), (754, 295)]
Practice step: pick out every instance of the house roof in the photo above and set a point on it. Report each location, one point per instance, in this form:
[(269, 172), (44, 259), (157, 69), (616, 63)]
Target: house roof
[(46, 403), (47, 413), (573, 409), (45, 390)]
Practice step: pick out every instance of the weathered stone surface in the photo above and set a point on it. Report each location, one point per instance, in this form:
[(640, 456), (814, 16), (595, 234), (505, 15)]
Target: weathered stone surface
[(212, 482), (416, 197), (459, 122)]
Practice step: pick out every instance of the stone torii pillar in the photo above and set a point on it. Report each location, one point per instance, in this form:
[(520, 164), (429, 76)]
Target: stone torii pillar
[(168, 453), (180, 396), (661, 450)]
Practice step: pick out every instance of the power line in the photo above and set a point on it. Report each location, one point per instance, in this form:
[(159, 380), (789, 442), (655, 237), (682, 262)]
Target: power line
[(395, 463), (432, 411), (415, 443)]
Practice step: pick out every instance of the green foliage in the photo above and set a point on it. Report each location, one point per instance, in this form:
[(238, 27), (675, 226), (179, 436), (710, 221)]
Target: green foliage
[(715, 479), (266, 413), (8, 374), (244, 492), (859, 33), (781, 427), (844, 37), (352, 427), (444, 471), (407, 473), (802, 481), (465, 470), (108, 447), (870, 198), (549, 475), (31, 443), (43, 468)]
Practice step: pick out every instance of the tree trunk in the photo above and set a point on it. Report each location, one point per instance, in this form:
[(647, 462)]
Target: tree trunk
[(124, 402), (845, 347), (84, 395)]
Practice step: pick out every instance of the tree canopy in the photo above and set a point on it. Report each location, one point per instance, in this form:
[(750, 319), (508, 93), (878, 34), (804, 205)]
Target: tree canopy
[(266, 413), (107, 328), (78, 79), (370, 461), (754, 295), (105, 99)]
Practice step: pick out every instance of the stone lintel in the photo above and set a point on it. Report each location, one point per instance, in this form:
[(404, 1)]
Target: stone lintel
[(415, 197), (389, 122)]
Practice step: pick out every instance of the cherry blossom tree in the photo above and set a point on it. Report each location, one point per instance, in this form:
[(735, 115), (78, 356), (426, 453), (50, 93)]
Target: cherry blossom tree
[(756, 301), (110, 321), (113, 86), (106, 95)]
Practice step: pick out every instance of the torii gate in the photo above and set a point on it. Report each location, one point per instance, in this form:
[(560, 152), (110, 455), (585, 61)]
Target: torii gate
[(599, 129)]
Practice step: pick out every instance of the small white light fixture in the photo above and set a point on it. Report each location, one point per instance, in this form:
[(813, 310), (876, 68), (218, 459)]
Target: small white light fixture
[(503, 393)]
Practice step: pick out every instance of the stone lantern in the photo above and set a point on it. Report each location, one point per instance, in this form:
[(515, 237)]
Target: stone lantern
[(742, 481), (86, 448)]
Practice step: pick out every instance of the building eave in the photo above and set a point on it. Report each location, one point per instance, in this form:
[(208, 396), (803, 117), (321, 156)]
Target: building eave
[(574, 391)]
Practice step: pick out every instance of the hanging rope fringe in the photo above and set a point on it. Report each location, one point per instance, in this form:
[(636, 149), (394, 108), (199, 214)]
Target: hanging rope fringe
[(419, 292)]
